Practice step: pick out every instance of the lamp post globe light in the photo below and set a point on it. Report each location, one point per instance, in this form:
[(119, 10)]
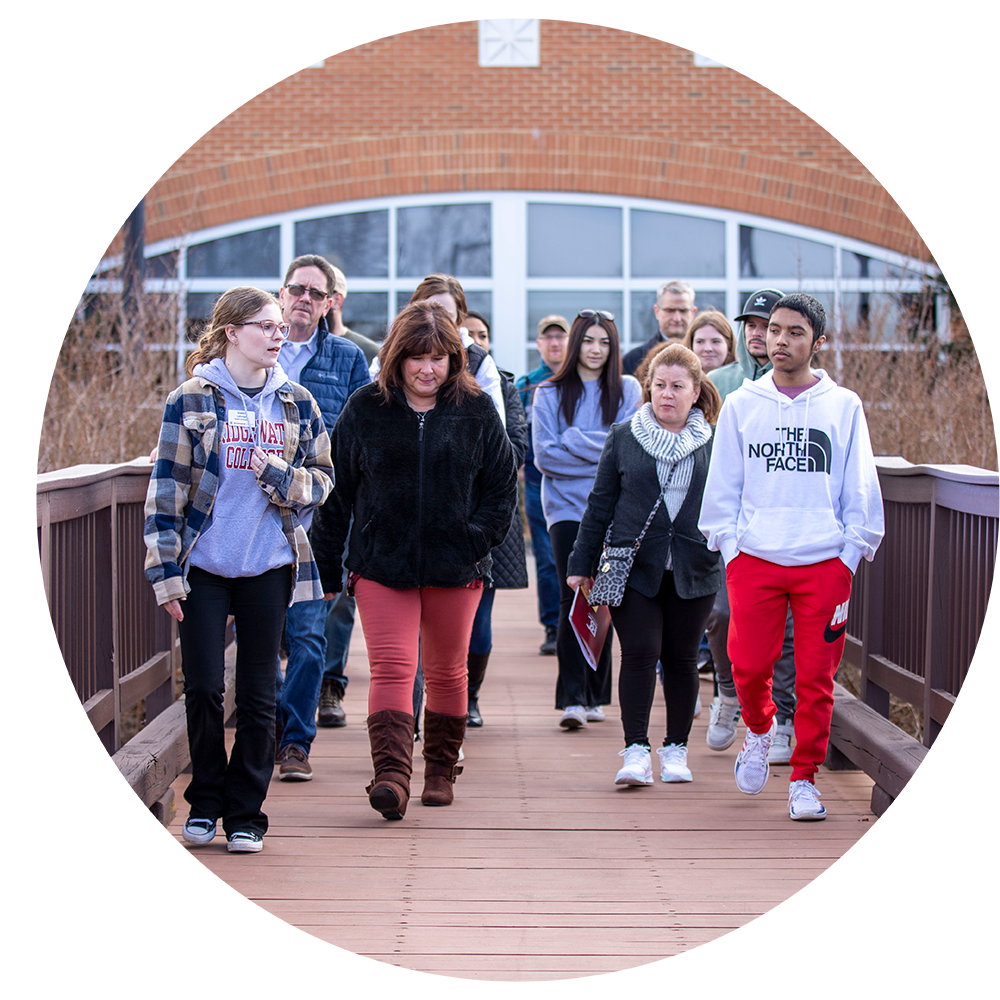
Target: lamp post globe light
[(139, 32), (991, 104)]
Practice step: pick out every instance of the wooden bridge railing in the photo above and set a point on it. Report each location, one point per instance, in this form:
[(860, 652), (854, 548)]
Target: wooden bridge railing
[(915, 616)]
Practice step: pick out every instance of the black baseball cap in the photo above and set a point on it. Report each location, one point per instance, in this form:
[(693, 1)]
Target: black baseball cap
[(760, 304)]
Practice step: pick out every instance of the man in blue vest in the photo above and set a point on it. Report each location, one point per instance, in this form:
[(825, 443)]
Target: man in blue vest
[(331, 368)]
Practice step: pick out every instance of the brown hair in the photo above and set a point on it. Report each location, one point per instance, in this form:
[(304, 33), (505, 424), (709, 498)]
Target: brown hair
[(313, 260), (234, 306), (568, 378), (709, 401), (442, 284), (713, 318), (425, 328)]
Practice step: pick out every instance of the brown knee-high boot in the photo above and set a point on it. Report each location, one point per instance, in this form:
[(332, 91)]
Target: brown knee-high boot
[(443, 736), (391, 736)]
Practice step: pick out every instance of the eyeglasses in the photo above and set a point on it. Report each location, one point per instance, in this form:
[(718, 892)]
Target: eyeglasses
[(553, 336), (587, 313), (316, 294), (268, 327)]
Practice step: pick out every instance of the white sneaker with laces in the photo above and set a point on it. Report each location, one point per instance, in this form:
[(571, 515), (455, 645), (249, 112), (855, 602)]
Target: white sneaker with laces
[(803, 801), (594, 713), (781, 747), (751, 768), (574, 717), (199, 831), (638, 766), (674, 763), (722, 719)]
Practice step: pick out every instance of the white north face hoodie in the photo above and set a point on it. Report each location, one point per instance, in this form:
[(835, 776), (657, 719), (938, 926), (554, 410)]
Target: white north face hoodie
[(793, 481)]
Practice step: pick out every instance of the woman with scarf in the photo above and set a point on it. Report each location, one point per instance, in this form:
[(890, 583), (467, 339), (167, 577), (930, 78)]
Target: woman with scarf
[(658, 459)]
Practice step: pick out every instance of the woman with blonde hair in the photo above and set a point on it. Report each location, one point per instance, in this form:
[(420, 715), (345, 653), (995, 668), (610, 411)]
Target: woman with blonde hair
[(242, 457), (710, 336), (425, 469), (652, 473)]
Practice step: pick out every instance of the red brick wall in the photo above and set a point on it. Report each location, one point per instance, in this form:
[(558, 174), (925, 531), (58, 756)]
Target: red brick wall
[(606, 111)]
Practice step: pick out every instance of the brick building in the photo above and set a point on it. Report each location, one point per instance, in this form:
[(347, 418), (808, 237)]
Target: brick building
[(550, 166)]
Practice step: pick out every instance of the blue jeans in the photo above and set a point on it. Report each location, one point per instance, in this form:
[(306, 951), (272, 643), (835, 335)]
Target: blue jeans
[(541, 547), (481, 640), (298, 696), (339, 626)]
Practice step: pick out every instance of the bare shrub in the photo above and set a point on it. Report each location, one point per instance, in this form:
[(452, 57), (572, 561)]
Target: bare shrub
[(106, 396), (924, 400)]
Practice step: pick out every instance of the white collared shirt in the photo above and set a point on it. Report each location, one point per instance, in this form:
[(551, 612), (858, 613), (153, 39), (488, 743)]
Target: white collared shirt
[(296, 354)]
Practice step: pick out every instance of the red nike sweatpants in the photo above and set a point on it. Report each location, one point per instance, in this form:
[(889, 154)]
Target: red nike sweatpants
[(759, 596)]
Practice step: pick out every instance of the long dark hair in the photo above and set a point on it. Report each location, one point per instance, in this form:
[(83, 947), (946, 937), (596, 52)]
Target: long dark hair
[(568, 378)]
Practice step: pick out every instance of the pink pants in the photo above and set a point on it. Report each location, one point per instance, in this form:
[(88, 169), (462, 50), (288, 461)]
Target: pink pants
[(759, 595), (434, 623)]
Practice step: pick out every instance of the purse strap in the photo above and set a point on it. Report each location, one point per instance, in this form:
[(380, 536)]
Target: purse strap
[(652, 513)]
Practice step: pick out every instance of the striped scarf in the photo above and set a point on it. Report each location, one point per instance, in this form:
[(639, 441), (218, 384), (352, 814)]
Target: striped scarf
[(670, 450)]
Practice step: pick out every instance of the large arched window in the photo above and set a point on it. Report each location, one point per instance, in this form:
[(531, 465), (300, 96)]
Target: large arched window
[(521, 255)]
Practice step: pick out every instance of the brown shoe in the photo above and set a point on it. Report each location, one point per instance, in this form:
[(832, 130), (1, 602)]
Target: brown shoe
[(443, 737), (391, 736), (331, 713), (293, 764)]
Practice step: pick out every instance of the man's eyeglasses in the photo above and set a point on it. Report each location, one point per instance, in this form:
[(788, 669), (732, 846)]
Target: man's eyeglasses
[(587, 313), (316, 294), (553, 336), (268, 327)]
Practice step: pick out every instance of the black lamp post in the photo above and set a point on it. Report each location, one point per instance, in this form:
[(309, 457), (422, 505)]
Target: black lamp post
[(140, 32)]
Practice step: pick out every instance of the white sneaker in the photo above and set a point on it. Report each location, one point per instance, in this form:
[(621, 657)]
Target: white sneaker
[(674, 763), (781, 747), (638, 766), (594, 713), (751, 762), (574, 717), (803, 801), (722, 718)]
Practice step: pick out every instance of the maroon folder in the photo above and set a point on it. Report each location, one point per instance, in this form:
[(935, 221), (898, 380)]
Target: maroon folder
[(590, 626)]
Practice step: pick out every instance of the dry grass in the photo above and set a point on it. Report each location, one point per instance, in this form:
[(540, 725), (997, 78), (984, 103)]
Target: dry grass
[(927, 403), (106, 397), (902, 714)]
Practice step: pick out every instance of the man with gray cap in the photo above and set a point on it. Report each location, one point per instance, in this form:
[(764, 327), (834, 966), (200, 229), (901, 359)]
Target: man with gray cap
[(553, 335), (335, 319), (751, 363)]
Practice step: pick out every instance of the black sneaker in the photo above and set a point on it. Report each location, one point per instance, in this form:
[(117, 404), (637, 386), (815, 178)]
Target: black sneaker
[(245, 842), (548, 648), (330, 715)]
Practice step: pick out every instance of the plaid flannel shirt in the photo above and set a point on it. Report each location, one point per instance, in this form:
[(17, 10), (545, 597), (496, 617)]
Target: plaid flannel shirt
[(185, 480)]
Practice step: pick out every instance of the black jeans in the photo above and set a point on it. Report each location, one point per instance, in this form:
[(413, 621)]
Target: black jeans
[(667, 628), (234, 790), (577, 683)]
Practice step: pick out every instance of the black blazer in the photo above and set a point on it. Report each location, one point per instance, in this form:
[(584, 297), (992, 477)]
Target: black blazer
[(624, 492)]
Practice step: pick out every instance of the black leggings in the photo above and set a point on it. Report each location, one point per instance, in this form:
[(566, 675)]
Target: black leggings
[(577, 683), (667, 628)]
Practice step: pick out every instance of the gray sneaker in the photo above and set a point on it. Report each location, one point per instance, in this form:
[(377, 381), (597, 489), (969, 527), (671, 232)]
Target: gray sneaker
[(781, 747), (751, 762), (722, 718), (199, 831)]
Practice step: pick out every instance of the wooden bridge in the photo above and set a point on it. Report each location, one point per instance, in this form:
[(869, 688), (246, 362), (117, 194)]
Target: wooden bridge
[(542, 870)]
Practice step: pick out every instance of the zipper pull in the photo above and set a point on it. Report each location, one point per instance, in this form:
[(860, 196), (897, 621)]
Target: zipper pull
[(420, 426)]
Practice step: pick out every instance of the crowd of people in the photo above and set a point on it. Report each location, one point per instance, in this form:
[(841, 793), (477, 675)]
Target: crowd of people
[(716, 490)]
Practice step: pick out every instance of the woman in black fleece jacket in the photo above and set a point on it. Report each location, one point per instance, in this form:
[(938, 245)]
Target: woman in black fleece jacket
[(425, 468)]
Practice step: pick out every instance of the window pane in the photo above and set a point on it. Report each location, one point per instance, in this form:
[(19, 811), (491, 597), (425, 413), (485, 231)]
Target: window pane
[(357, 243), (365, 313), (857, 265), (246, 255), (764, 254), (883, 317), (164, 265), (453, 239), (568, 304), (665, 246), (574, 241), (644, 323)]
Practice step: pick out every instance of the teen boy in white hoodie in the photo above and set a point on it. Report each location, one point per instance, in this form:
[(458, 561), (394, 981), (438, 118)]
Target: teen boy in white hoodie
[(792, 502)]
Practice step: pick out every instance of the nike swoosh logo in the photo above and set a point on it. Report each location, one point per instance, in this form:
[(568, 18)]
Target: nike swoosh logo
[(833, 634)]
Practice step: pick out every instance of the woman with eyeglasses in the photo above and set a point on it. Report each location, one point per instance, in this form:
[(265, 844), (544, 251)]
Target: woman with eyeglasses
[(571, 416), (242, 455)]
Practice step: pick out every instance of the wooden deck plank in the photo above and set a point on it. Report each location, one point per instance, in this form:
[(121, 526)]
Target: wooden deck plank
[(542, 869)]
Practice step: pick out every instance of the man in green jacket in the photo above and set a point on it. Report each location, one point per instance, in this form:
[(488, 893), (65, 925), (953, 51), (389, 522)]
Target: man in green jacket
[(751, 362)]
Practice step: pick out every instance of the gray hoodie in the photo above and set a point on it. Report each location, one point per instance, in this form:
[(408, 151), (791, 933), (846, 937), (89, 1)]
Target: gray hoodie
[(731, 376), (244, 537)]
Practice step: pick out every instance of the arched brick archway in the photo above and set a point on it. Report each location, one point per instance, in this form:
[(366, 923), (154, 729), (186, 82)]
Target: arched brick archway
[(474, 160)]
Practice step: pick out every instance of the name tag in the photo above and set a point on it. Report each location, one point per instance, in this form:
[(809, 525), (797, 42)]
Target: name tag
[(241, 418)]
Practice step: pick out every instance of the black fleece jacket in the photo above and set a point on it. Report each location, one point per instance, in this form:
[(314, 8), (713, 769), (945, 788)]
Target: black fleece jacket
[(429, 499)]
